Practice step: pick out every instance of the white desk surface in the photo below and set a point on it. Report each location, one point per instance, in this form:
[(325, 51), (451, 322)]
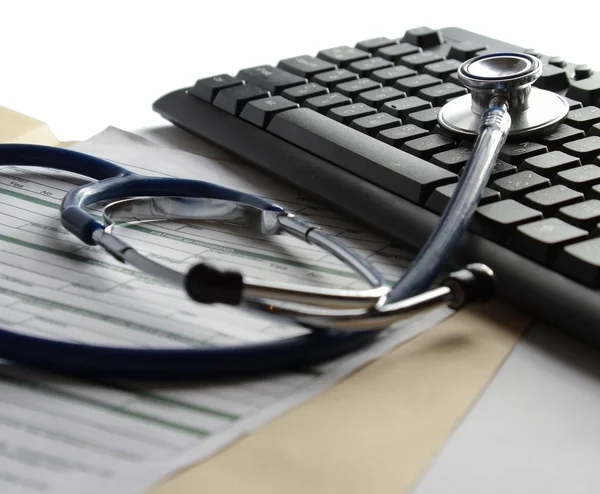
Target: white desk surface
[(81, 66)]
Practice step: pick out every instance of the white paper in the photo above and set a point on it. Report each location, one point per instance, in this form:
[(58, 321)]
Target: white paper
[(60, 435)]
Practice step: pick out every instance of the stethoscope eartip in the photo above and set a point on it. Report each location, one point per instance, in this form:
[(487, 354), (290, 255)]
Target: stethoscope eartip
[(474, 283)]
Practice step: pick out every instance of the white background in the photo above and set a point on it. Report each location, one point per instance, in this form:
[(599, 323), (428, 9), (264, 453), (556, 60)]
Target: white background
[(83, 65)]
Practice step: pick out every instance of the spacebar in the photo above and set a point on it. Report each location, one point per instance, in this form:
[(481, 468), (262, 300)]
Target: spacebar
[(403, 174)]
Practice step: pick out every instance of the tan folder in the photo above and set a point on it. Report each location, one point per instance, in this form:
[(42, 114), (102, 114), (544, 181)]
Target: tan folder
[(375, 432)]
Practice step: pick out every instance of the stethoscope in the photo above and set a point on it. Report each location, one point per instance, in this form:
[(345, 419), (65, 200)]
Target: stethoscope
[(340, 320)]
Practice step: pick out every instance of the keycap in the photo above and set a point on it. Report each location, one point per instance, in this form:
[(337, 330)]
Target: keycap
[(533, 52), (373, 44), (581, 261), (342, 55), (353, 88), (558, 62), (345, 114), (334, 77), (298, 94), (326, 102), (517, 185), (515, 152), (418, 60), (423, 36), (377, 97), (465, 50), (581, 178), (594, 130), (233, 99), (442, 69), (388, 76), (586, 149), (395, 52), (271, 78), (549, 164), (373, 124), (397, 136), (584, 118), (440, 197), (573, 105), (543, 240), (585, 214), (551, 199), (412, 85), (426, 119), (453, 159), (552, 78), (305, 66), (365, 67), (207, 89), (564, 133), (454, 78), (425, 147), (497, 220), (583, 71), (439, 95), (403, 107), (260, 111), (403, 174), (501, 169)]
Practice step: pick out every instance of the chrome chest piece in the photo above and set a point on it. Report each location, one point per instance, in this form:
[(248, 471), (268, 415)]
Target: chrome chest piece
[(510, 76)]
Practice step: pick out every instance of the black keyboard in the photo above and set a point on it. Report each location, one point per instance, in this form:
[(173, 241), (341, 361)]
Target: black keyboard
[(357, 128)]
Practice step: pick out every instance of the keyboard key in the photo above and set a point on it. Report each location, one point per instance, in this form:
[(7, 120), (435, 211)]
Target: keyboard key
[(412, 85), (326, 102), (408, 176), (496, 221), (584, 118), (353, 88), (587, 91), (465, 50), (298, 94), (581, 178), (402, 108), (233, 99), (305, 66), (558, 62), (207, 89), (334, 77), (397, 136), (345, 114), (549, 164), (543, 240), (372, 45), (395, 52), (418, 60), (517, 185), (586, 149), (551, 199), (454, 79), (442, 69), (423, 36), (552, 78), (373, 124), (425, 147), (441, 196), (453, 159), (564, 133), (502, 169), (515, 153), (581, 261), (441, 94), (260, 111), (427, 119), (595, 130), (583, 71), (387, 77), (365, 67), (584, 214), (342, 56), (573, 105), (271, 78), (377, 97)]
